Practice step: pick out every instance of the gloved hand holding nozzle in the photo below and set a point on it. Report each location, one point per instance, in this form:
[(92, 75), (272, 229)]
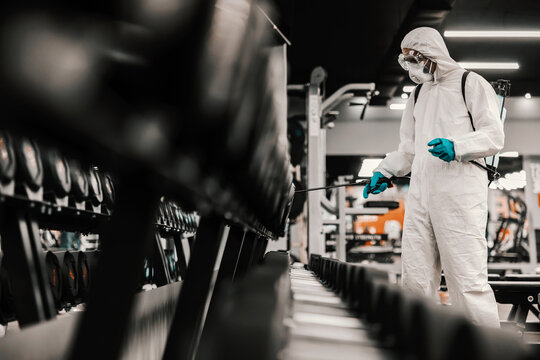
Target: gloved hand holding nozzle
[(376, 185)]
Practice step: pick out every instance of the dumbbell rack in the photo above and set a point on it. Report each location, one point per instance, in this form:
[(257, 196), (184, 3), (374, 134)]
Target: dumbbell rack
[(408, 326), (21, 221), (323, 326)]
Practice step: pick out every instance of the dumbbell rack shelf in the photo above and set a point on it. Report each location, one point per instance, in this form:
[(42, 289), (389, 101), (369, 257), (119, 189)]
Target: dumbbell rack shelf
[(53, 216)]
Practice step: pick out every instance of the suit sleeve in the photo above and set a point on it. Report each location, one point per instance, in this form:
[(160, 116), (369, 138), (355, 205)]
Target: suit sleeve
[(398, 163), (488, 139)]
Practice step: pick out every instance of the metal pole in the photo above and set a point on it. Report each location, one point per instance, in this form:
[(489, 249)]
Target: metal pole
[(197, 289), (341, 243), (531, 199), (125, 242), (314, 162), (33, 299)]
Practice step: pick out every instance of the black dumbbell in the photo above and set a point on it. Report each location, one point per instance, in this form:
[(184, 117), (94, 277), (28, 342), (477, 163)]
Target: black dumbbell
[(355, 285), (386, 310), (95, 190), (29, 169), (54, 273), (342, 273), (375, 292), (84, 276), (315, 263), (409, 316), (70, 278), (57, 181), (7, 164), (108, 191), (79, 185), (468, 341)]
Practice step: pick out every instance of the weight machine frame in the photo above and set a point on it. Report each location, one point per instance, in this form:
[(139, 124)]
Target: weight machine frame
[(316, 107)]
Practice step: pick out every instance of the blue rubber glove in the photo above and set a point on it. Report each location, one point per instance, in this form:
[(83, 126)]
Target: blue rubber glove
[(443, 149), (373, 187)]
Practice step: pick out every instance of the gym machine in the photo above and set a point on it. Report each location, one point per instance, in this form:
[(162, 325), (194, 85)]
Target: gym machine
[(318, 110)]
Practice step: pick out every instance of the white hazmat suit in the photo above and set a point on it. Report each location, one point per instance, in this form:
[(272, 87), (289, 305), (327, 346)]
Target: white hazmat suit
[(446, 214)]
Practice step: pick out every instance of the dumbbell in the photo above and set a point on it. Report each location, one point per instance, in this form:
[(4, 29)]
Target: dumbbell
[(166, 218), (70, 278), (369, 286), (433, 332), (84, 275), (29, 171), (409, 316), (162, 217), (170, 212), (7, 164), (57, 177), (79, 186), (171, 263), (191, 222), (346, 287), (386, 310), (472, 342), (180, 218), (375, 292), (355, 285), (172, 215), (92, 260), (325, 270), (55, 276), (108, 192), (147, 272), (332, 270), (315, 263), (95, 191), (342, 272)]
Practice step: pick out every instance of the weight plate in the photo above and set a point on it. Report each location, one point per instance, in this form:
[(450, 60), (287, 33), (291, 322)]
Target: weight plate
[(57, 173), (7, 158), (84, 273), (30, 165), (95, 189), (79, 181), (108, 190), (69, 268), (54, 275)]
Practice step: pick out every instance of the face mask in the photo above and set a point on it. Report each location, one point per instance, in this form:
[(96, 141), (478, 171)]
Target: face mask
[(419, 73)]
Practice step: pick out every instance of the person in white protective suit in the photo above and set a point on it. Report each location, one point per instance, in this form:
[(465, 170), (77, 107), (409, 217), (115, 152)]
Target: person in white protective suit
[(446, 212)]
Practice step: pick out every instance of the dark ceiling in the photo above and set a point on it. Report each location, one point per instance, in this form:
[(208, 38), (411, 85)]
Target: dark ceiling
[(358, 41)]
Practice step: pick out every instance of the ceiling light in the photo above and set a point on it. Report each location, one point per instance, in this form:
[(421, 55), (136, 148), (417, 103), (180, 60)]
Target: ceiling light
[(509, 154), (368, 165), (404, 96), (528, 96), (408, 88), (397, 106), (490, 65), (492, 34)]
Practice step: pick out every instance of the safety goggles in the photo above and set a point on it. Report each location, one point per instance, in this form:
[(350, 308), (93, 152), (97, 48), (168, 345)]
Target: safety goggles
[(413, 57)]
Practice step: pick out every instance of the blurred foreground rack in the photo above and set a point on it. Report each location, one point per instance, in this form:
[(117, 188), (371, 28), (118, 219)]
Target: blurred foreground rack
[(144, 164)]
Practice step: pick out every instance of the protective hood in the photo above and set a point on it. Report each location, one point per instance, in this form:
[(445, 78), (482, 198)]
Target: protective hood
[(430, 43)]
